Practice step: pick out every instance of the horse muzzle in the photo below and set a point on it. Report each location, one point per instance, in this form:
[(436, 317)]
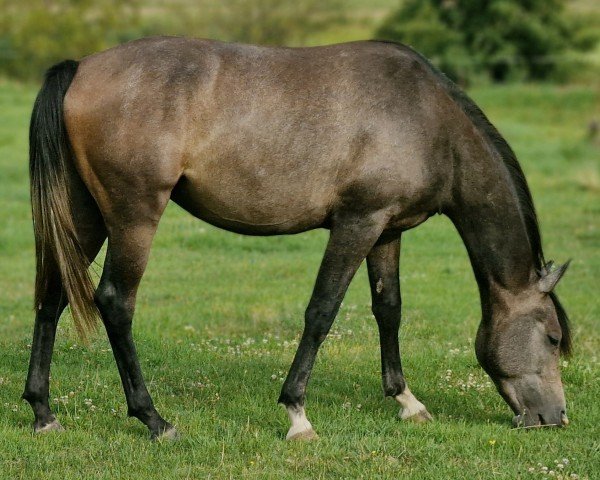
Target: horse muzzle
[(552, 417)]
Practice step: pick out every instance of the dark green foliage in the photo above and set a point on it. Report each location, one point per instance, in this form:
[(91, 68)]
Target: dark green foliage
[(35, 34), (268, 22), (505, 39), (38, 33), (262, 22)]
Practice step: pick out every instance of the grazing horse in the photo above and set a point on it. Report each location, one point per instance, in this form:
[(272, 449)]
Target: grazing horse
[(365, 139)]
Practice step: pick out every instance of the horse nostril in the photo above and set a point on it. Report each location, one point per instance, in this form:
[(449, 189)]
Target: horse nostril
[(541, 419), (563, 418)]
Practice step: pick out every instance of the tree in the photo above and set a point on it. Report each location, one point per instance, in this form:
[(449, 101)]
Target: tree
[(502, 38)]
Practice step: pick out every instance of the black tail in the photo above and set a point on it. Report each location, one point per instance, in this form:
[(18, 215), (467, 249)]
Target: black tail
[(56, 242)]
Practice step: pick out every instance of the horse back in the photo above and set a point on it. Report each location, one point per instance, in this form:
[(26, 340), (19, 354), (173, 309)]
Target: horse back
[(263, 140)]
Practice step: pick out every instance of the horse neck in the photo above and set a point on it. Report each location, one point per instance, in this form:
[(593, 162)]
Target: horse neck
[(487, 212)]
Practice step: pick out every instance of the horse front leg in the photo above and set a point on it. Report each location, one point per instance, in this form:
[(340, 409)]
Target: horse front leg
[(384, 278), (350, 240)]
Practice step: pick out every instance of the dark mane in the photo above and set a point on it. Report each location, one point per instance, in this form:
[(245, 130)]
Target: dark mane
[(517, 176), (528, 213)]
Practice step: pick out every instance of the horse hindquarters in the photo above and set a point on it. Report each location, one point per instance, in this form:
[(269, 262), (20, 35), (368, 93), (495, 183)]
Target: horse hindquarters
[(129, 219)]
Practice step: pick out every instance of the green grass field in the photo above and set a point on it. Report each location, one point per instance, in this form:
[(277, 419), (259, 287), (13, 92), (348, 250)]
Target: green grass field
[(219, 316)]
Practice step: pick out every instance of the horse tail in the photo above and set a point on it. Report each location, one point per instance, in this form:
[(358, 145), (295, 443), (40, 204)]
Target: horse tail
[(56, 244)]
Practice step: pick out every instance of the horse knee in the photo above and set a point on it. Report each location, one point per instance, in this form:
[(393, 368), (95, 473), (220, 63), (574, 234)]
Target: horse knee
[(318, 320), (386, 310)]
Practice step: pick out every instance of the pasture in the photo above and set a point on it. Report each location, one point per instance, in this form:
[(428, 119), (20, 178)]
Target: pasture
[(219, 316)]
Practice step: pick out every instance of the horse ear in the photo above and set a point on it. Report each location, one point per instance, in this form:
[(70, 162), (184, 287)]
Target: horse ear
[(547, 268), (549, 278)]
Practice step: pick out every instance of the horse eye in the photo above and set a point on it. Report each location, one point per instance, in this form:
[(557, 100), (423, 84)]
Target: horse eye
[(553, 340)]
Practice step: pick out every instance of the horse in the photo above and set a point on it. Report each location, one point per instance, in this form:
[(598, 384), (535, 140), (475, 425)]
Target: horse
[(365, 139)]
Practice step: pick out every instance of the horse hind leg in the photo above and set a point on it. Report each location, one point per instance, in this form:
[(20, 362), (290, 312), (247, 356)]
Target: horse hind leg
[(91, 234), (129, 241), (384, 279)]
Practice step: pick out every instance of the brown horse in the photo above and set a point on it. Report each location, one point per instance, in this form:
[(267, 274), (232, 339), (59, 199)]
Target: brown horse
[(365, 139)]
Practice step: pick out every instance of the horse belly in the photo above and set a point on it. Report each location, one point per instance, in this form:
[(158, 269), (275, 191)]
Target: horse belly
[(260, 204)]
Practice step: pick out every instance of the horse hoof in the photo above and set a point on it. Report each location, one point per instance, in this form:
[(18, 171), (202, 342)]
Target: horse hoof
[(53, 426), (421, 416), (305, 435), (169, 435)]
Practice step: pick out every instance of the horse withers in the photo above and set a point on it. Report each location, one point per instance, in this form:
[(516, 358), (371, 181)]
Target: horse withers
[(365, 139)]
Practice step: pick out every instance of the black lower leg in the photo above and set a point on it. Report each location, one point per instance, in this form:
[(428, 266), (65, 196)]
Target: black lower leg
[(391, 366), (348, 245), (117, 320), (38, 378), (383, 266), (139, 402), (318, 321)]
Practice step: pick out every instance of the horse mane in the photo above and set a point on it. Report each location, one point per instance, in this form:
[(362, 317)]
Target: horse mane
[(506, 153)]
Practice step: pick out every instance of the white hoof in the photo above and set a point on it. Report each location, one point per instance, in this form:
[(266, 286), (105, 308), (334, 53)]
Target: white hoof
[(412, 409), (169, 435), (301, 428), (421, 416), (53, 426)]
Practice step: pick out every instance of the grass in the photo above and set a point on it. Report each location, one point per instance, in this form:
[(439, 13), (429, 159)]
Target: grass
[(219, 317)]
